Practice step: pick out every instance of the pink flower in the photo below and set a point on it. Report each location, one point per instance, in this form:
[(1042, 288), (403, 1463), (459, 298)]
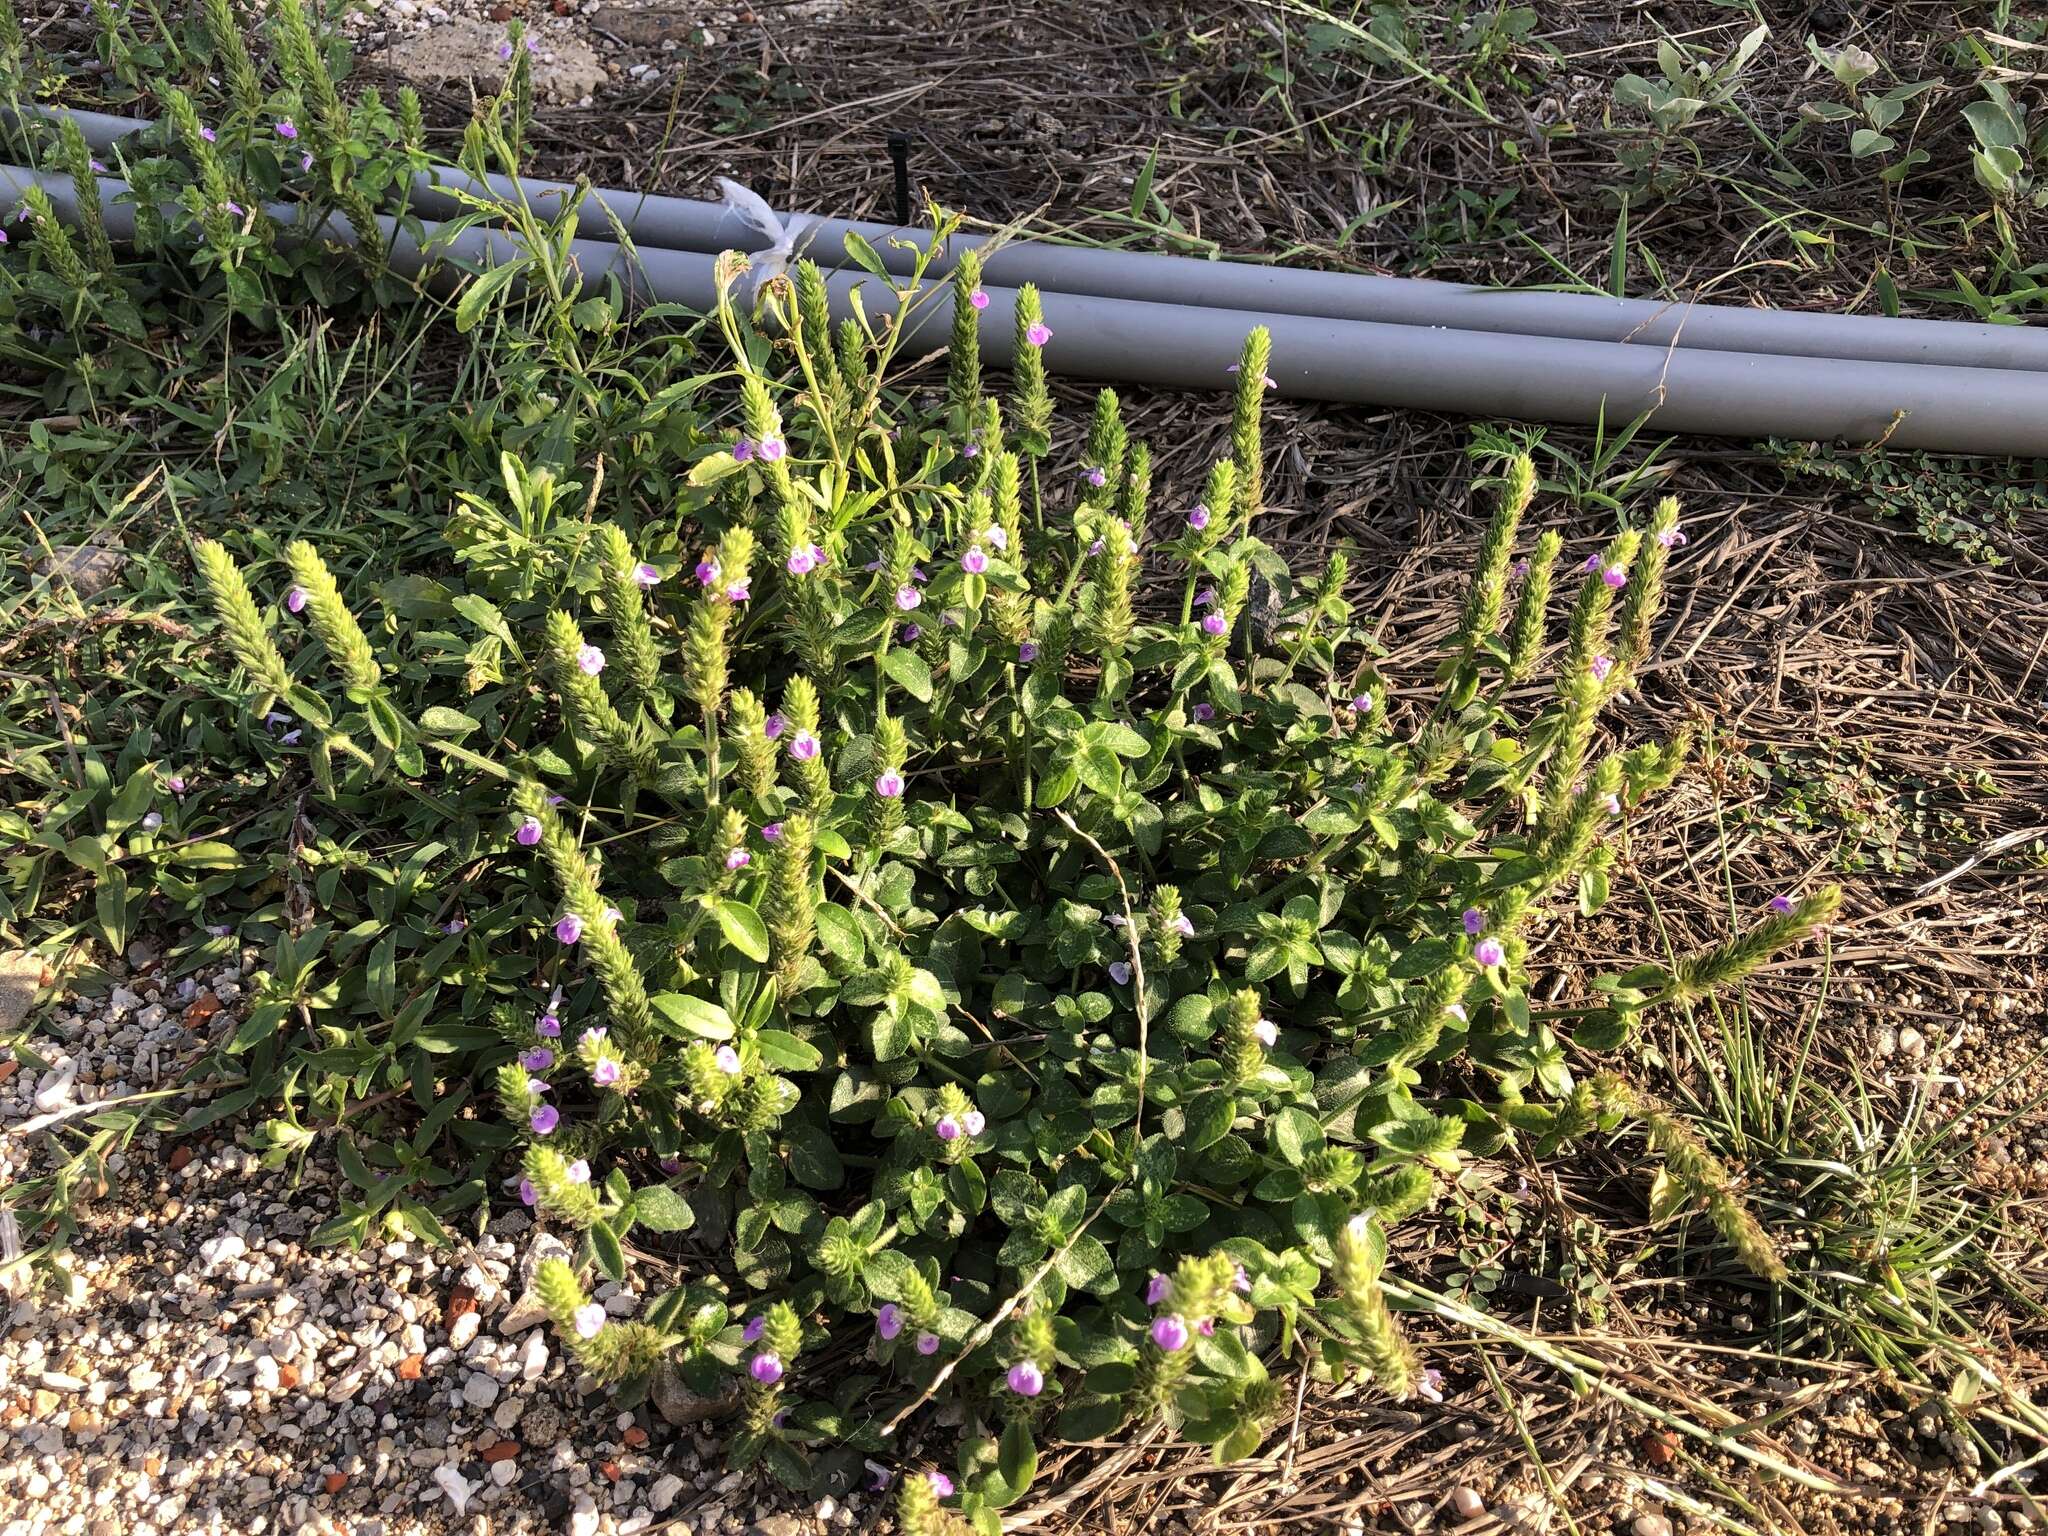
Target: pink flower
[(742, 450), (1241, 1282), (589, 660), (1213, 624), (605, 1073), (756, 1326), (766, 1368), (979, 300), (1198, 518), (1026, 1380), (590, 1320), (942, 1485), (528, 833), (889, 784), (1612, 803), (1781, 904), (206, 134), (974, 562), (1169, 1332), (739, 858), (772, 449), (593, 1037), (707, 572), (645, 576), (175, 785), (287, 129), (1614, 576), (889, 1320), (528, 1195), (1672, 536), (772, 726), (1038, 334), (974, 1122), (577, 1172), (295, 600), (1027, 652), (1489, 952), (1184, 926), (772, 833), (1267, 378), (1120, 972), (994, 537), (738, 592), (569, 928), (728, 1061), (948, 1129), (1267, 1033), (504, 50), (1157, 1289), (306, 161), (1095, 476), (1602, 665), (1206, 1327), (927, 1343), (803, 746), (803, 559), (544, 1119), (1475, 922), (1362, 702), (1431, 1385), (908, 597)]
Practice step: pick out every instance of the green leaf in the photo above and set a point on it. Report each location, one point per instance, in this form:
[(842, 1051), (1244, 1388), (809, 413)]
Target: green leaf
[(694, 1015), (439, 720), (910, 673), (605, 1248), (661, 1209), (1017, 1457), (486, 287), (1295, 1134), (110, 905), (1209, 1119), (743, 928), (840, 933), (785, 1052), (813, 1160)]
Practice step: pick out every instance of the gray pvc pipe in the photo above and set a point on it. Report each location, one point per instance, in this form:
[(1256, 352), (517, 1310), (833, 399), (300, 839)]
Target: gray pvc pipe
[(1730, 394), (686, 224)]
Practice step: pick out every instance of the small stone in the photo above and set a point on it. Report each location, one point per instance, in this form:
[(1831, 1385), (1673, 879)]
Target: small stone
[(143, 1377), (1912, 1043), (456, 1486), (217, 1253), (1466, 1503), (1650, 1525), (410, 1367), (502, 1450), (334, 1482), (662, 1496), (1660, 1446), (502, 1473), (479, 1390), (463, 1330)]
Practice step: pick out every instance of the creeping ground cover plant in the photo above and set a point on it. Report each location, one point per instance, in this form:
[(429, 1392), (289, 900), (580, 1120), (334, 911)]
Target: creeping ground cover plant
[(971, 912)]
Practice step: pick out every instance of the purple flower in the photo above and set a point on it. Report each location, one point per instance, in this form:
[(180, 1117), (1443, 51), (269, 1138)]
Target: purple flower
[(1214, 624), (175, 785), (1206, 1327), (739, 858), (1184, 925), (756, 1326), (1431, 1385), (772, 833), (295, 600), (589, 660), (803, 559), (1672, 536), (593, 1036), (1157, 1289), (1027, 652), (1781, 904), (1038, 334), (970, 450), (671, 1165), (728, 1061), (544, 1119), (528, 833), (1489, 952), (1519, 569), (927, 1343), (889, 784), (539, 1059), (645, 576), (979, 300), (908, 597), (605, 1073), (1198, 518), (1614, 576), (707, 572), (771, 449), (1267, 1033), (590, 1320), (1205, 597), (1096, 476), (1026, 1380), (1602, 665), (577, 1172), (549, 1026), (803, 746), (290, 738), (99, 167), (1205, 712), (772, 726), (1169, 1332), (1592, 563), (948, 1129), (504, 50), (287, 129), (994, 537), (1241, 1282), (454, 924), (889, 1320), (942, 1485), (1266, 378), (742, 450), (1120, 972), (206, 134), (528, 1195), (306, 161), (234, 207), (536, 1086), (152, 821), (1362, 702), (766, 1368), (739, 591), (569, 928), (1475, 922), (910, 633), (974, 562)]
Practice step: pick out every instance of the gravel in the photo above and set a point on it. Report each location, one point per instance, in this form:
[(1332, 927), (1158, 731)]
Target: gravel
[(195, 1364)]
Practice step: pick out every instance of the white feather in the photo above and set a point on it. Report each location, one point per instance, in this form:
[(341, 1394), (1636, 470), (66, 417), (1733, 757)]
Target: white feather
[(751, 208)]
